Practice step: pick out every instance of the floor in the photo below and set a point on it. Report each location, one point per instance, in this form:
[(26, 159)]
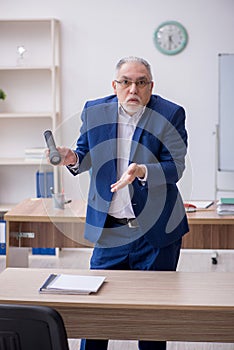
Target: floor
[(190, 260)]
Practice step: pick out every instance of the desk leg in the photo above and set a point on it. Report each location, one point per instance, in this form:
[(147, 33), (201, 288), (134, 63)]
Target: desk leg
[(15, 256)]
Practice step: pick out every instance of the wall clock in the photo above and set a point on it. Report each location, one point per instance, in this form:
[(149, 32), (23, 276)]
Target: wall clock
[(170, 37)]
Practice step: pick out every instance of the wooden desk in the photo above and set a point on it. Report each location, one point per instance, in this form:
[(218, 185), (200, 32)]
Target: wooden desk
[(173, 306), (208, 230), (64, 228), (50, 227)]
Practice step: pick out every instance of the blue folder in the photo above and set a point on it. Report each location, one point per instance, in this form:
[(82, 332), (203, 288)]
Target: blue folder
[(3, 237), (44, 181)]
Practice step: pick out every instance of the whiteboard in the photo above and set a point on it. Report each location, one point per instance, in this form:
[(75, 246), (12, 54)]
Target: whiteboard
[(226, 113)]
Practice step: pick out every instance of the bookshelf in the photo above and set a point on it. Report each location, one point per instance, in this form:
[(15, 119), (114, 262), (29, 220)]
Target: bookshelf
[(31, 82)]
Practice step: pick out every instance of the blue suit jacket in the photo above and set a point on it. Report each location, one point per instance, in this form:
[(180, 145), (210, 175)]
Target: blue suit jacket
[(159, 142)]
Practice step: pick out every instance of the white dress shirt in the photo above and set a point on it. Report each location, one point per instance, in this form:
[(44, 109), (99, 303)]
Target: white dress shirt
[(121, 206)]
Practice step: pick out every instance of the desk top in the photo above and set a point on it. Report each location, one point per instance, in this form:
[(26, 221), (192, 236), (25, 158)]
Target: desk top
[(209, 216), (42, 210), (126, 289)]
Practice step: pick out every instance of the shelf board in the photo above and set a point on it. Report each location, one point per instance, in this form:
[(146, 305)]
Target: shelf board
[(26, 115), (22, 161), (22, 68), (28, 20)]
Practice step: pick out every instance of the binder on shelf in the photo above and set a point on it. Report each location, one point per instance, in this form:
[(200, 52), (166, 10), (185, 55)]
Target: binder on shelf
[(44, 181), (2, 237)]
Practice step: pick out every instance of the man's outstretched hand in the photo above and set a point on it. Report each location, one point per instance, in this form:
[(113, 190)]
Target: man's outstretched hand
[(134, 170)]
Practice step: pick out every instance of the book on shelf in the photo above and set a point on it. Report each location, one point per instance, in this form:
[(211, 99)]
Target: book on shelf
[(34, 153), (225, 206), (71, 284)]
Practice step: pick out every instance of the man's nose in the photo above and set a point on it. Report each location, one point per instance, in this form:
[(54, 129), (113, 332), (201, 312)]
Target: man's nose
[(133, 88)]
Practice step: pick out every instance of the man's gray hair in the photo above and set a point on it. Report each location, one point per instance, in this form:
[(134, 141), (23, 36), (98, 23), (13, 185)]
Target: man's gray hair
[(134, 59)]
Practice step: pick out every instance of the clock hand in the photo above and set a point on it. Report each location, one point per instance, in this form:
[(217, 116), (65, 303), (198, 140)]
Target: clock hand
[(170, 41)]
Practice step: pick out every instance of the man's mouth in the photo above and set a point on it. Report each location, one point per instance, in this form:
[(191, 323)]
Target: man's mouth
[(133, 100)]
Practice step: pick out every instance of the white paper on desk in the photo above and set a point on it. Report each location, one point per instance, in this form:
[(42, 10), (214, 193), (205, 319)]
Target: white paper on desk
[(76, 283), (201, 204), (225, 209)]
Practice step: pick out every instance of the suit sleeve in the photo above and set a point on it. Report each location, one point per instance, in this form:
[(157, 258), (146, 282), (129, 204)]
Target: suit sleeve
[(170, 164), (82, 147)]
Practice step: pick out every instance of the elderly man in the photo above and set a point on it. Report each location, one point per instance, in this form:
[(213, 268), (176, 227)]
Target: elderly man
[(134, 143)]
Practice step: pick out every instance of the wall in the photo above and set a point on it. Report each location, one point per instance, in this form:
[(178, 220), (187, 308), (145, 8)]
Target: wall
[(96, 34)]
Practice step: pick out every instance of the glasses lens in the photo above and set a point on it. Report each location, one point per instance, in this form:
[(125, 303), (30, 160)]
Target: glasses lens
[(141, 83), (127, 83)]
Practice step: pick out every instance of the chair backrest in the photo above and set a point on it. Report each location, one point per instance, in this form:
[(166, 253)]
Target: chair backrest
[(29, 327)]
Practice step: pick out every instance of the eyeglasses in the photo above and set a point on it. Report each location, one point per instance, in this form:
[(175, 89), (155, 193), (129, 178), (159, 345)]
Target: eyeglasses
[(127, 83)]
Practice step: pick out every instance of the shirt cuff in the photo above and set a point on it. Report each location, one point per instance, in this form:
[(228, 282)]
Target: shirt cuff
[(75, 167), (144, 179)]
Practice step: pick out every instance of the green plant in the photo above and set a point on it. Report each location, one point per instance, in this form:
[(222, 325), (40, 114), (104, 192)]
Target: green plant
[(2, 95)]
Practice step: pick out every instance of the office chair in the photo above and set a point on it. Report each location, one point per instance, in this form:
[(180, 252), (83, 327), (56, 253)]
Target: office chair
[(28, 327)]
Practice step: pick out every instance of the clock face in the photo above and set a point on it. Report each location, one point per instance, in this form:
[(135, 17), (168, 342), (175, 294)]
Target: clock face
[(170, 38)]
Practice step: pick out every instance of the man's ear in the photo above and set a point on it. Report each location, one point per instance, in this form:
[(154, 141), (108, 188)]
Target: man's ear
[(114, 86)]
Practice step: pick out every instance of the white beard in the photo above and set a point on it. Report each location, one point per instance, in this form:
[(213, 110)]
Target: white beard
[(131, 108)]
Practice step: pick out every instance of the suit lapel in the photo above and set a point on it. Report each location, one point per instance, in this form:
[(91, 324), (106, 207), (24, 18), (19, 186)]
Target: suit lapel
[(138, 132), (111, 118)]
